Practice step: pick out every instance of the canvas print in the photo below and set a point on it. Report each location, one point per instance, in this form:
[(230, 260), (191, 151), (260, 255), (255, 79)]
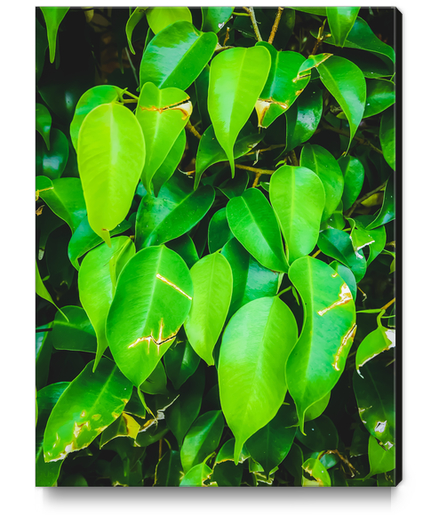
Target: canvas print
[(217, 230)]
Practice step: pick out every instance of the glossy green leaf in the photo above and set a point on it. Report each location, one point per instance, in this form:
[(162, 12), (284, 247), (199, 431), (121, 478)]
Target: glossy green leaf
[(318, 359), (85, 239), (319, 11), (165, 171), (320, 434), (197, 476), (214, 18), (336, 220), (156, 383), (325, 166), (218, 231), (354, 173), (346, 82), (381, 460), (318, 473), (202, 439), (361, 237), (341, 21), (176, 56), (160, 17), (151, 301), (237, 78), (43, 123), (133, 20), (53, 17), (303, 118), (298, 198), (250, 279), (41, 46), (184, 411), (374, 386), (271, 444), (234, 187), (347, 276), (43, 292), (96, 283), (380, 96), (338, 245), (89, 404), (181, 362), (162, 115), (176, 210), (185, 247), (92, 98), (210, 152), (387, 137), (316, 409), (253, 222), (74, 334), (387, 211), (46, 473), (169, 469), (256, 344), (212, 287), (124, 425), (52, 162), (111, 156), (282, 87), (378, 235)]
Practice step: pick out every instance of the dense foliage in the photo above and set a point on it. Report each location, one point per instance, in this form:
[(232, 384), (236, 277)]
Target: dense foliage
[(215, 252)]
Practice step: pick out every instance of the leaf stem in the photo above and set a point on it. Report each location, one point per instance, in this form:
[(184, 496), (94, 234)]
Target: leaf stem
[(367, 195), (385, 307), (320, 38), (275, 26), (192, 129), (250, 12), (131, 65), (284, 291), (126, 92)]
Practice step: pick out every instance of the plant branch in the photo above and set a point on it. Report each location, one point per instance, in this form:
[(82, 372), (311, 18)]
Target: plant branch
[(275, 26), (320, 38), (367, 195), (250, 12), (190, 127), (255, 170), (386, 306), (293, 158), (362, 141)]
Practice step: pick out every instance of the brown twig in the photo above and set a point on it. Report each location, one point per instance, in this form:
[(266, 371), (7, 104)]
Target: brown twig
[(320, 38), (367, 195), (275, 26), (250, 12), (190, 127), (362, 141), (293, 158), (255, 170)]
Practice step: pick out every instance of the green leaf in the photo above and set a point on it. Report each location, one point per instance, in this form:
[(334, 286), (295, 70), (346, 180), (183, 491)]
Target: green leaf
[(381, 460), (380, 96), (43, 292), (162, 115), (85, 239), (176, 56), (165, 171), (183, 412), (237, 77), (53, 17), (254, 224), (387, 137), (354, 173), (181, 362), (256, 344), (43, 123), (320, 434), (346, 82), (282, 87), (89, 404), (52, 162), (298, 198), (202, 439), (318, 473), (378, 235), (341, 21), (74, 334), (318, 359), (325, 166), (169, 469), (185, 247), (41, 46), (218, 231), (338, 245), (347, 275), (250, 279), (151, 301), (234, 187), (214, 18), (197, 475), (65, 198), (96, 284), (124, 425), (212, 287), (387, 211), (91, 99), (210, 152), (318, 11), (176, 210), (160, 17), (111, 156), (303, 118), (271, 444), (133, 20)]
